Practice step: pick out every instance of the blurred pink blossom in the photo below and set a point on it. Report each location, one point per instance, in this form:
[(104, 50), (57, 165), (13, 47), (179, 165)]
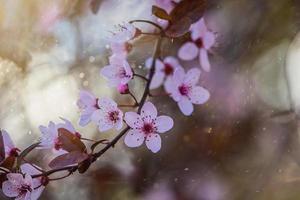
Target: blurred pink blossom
[(88, 105), (9, 147), (203, 40)]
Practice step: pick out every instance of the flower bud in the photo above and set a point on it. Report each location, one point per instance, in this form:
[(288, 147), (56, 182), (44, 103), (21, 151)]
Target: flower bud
[(123, 89)]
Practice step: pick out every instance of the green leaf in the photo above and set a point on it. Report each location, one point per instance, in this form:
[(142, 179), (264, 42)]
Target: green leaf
[(67, 159), (69, 141), (160, 13)]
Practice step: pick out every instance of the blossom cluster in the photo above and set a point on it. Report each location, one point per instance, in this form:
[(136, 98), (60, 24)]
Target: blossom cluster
[(143, 124)]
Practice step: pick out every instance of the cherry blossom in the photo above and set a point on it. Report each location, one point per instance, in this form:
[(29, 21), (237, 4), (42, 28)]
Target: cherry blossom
[(108, 116), (163, 70), (9, 147), (203, 40), (49, 138), (119, 41), (184, 90), (22, 186), (146, 126), (117, 72), (88, 105), (123, 88)]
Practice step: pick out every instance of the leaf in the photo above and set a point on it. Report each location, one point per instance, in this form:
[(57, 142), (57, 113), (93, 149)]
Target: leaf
[(160, 13), (68, 159), (69, 141), (24, 153), (95, 5), (183, 15), (180, 28), (2, 148), (8, 163)]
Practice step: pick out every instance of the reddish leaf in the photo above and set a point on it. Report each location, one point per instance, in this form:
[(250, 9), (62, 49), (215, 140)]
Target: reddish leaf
[(160, 13), (183, 15), (8, 163), (68, 159), (69, 141), (2, 148)]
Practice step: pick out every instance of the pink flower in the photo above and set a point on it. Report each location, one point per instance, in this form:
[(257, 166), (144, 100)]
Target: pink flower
[(9, 147), (21, 186), (49, 139), (108, 116), (146, 126), (163, 70), (185, 92), (203, 40), (88, 105), (119, 41), (168, 6), (117, 72)]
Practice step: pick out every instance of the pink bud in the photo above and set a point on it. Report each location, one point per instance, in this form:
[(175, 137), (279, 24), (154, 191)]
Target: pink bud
[(123, 89)]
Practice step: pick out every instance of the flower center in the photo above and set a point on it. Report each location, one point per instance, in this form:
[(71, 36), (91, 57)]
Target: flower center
[(168, 69), (148, 128), (184, 90), (113, 116), (122, 73), (24, 189), (199, 43)]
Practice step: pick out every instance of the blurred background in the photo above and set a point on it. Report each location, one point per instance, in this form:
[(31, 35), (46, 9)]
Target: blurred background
[(242, 144)]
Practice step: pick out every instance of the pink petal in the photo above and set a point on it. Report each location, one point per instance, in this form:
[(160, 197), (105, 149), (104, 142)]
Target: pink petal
[(85, 116), (106, 103), (173, 62), (188, 51), (109, 72), (153, 142), (192, 76), (15, 178), (186, 106), (149, 110), (8, 143), (133, 120), (164, 123), (198, 29), (9, 189), (134, 138), (178, 76), (35, 194), (86, 99), (28, 169), (204, 62), (67, 125), (158, 64), (119, 125), (99, 117), (199, 95), (209, 40), (157, 80), (127, 68)]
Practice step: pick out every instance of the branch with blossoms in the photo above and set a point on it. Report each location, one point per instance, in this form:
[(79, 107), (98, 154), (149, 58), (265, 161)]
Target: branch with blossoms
[(25, 180)]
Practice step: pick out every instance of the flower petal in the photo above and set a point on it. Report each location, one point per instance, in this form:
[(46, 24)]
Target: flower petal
[(86, 99), (203, 59), (153, 142), (29, 169), (158, 65), (100, 118), (9, 189), (209, 40), (35, 194), (149, 110), (164, 123), (67, 125), (188, 51), (85, 116), (157, 80), (8, 143), (133, 120), (178, 76), (198, 29), (134, 138), (186, 106), (106, 103), (192, 76), (199, 95), (173, 62)]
